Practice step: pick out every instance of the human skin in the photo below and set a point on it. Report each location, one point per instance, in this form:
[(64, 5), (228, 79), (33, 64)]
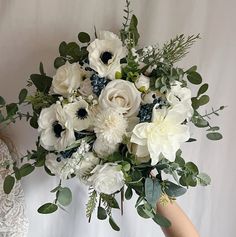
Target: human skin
[(181, 226)]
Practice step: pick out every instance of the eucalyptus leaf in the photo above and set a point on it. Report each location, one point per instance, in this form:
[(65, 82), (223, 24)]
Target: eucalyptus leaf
[(8, 184), (101, 213), (194, 78), (42, 83), (63, 48), (161, 220), (204, 179), (202, 89), (2, 101), (152, 191), (214, 136), (59, 61), (128, 193), (11, 109), (26, 169), (48, 208), (41, 69), (204, 99), (113, 224), (174, 190), (64, 196), (22, 95), (190, 166), (141, 212), (84, 37)]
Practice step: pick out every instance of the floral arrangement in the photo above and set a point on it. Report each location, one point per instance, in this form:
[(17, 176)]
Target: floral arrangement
[(114, 116)]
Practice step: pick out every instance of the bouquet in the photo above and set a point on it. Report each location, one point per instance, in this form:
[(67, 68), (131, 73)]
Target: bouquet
[(114, 116)]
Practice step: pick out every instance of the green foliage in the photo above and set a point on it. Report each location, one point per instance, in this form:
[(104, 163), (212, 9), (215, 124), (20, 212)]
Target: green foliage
[(84, 37), (194, 77), (41, 82), (64, 196), (204, 179), (142, 211), (2, 101), (128, 193), (113, 224), (152, 191), (101, 213), (22, 95), (48, 208), (109, 201), (92, 202), (26, 169), (214, 136), (161, 220), (8, 184), (173, 190)]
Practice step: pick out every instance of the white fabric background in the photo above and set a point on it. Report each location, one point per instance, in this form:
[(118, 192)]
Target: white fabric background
[(30, 32)]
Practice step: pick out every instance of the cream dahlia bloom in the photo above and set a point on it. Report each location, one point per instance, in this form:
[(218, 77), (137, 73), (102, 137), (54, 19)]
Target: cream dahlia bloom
[(122, 96), (105, 54), (68, 79), (110, 126), (181, 97), (107, 178), (163, 135), (55, 128)]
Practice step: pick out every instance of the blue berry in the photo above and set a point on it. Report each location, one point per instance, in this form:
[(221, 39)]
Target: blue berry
[(98, 83), (68, 153)]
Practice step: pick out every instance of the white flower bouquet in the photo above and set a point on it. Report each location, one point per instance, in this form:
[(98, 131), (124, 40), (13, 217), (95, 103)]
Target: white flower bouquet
[(114, 116)]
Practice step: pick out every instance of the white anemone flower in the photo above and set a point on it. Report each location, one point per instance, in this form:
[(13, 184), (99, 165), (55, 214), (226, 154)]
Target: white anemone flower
[(179, 96), (78, 112), (105, 54), (56, 131), (163, 135)]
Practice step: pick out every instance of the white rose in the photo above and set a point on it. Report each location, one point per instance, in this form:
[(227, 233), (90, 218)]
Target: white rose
[(105, 54), (121, 95), (142, 83), (107, 178), (67, 79)]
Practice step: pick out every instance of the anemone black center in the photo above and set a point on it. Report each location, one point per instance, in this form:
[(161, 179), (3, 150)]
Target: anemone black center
[(105, 57), (82, 113), (57, 129)]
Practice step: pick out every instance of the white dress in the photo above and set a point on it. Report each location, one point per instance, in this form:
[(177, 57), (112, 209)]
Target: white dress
[(13, 222)]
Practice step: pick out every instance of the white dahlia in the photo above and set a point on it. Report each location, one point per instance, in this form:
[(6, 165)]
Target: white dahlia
[(55, 128), (105, 54), (163, 135)]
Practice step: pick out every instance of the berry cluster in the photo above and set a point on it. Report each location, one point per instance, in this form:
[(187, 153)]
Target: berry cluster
[(98, 83)]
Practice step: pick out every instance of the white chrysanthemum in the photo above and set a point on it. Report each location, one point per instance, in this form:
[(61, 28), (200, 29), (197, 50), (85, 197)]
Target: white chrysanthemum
[(179, 96), (107, 178), (110, 126), (105, 54), (55, 128), (68, 78), (163, 135), (103, 148), (78, 112)]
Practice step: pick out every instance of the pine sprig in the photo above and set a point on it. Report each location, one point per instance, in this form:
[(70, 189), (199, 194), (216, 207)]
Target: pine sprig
[(127, 12), (92, 202), (177, 48)]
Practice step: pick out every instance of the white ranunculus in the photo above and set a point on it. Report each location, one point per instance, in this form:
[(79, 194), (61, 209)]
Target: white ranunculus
[(103, 148), (105, 54), (61, 168), (107, 178), (79, 114), (86, 165), (122, 96), (181, 97), (142, 83), (163, 135), (68, 78), (55, 128)]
